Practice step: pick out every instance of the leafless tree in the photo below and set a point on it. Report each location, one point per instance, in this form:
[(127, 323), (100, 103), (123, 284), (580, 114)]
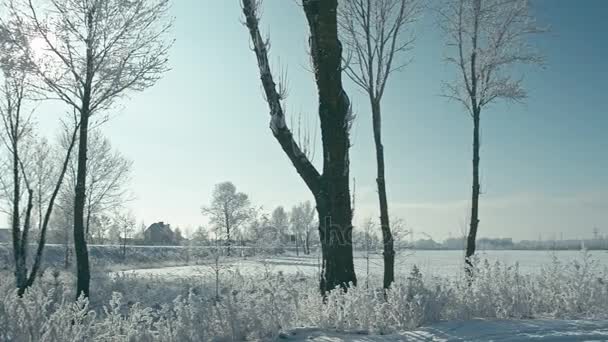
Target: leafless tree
[(62, 223), (368, 232), (279, 221), (486, 38), (401, 233), (216, 268), (331, 187), (95, 53), (376, 34), (125, 226), (108, 176), (302, 222), (25, 161), (16, 129), (228, 211)]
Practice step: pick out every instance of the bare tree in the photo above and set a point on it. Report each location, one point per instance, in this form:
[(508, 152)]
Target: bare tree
[(401, 233), (96, 52), (200, 237), (279, 221), (16, 129), (228, 211), (487, 38), (368, 243), (62, 222), (25, 160), (125, 225), (216, 268), (302, 222), (376, 33), (261, 230), (107, 174), (331, 188)]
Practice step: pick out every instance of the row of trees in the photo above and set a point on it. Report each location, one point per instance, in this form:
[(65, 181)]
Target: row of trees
[(41, 165), (88, 56), (367, 39), (233, 219)]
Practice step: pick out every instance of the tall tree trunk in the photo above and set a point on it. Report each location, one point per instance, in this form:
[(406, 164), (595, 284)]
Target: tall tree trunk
[(20, 266), (476, 114), (88, 224), (331, 188), (80, 243), (24, 238), (333, 198), (335, 229), (387, 237), (475, 197), (83, 272)]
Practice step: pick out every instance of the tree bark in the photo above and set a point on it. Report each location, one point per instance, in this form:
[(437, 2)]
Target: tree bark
[(475, 196), (20, 271), (387, 237), (331, 189), (24, 238), (337, 267), (88, 223), (476, 112), (333, 199), (83, 273), (80, 244)]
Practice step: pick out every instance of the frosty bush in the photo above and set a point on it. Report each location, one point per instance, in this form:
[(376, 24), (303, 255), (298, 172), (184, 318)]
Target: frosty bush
[(129, 308)]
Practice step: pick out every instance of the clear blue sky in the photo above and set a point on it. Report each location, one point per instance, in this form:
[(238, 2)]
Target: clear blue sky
[(544, 164)]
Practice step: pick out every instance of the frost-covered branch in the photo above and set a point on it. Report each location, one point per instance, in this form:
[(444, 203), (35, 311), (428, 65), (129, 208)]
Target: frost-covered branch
[(374, 33), (490, 39), (274, 97)]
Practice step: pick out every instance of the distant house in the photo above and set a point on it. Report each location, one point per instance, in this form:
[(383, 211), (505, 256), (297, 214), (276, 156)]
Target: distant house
[(5, 235), (159, 234)]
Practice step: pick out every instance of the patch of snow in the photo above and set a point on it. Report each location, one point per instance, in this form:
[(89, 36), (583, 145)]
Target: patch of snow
[(474, 330)]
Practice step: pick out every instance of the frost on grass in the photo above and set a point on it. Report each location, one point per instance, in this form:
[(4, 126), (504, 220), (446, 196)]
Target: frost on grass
[(261, 307)]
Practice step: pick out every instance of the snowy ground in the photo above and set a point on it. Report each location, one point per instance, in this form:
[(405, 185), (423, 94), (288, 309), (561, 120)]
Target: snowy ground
[(431, 263), (476, 330)]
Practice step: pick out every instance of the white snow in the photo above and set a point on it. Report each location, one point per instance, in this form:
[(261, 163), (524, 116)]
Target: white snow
[(474, 330), (431, 263)]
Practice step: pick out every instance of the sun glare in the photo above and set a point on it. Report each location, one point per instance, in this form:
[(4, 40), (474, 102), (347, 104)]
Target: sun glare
[(39, 47)]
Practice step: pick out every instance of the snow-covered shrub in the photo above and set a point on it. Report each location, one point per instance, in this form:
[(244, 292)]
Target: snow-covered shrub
[(495, 291), (261, 307), (578, 288), (413, 303)]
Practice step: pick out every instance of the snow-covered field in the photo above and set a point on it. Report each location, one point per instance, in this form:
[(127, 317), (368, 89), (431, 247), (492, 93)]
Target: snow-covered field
[(560, 296), (431, 263)]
